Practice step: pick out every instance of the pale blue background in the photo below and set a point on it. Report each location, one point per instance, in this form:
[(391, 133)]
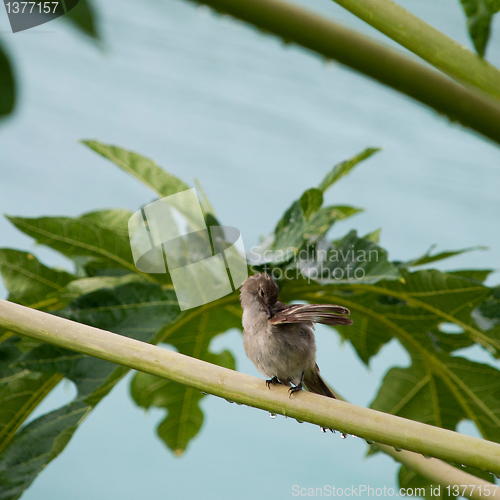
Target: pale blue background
[(257, 122)]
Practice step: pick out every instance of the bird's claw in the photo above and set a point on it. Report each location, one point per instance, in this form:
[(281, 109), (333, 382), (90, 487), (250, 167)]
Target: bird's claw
[(295, 389), (273, 381)]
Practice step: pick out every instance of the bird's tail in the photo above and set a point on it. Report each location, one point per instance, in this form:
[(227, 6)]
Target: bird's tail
[(314, 383)]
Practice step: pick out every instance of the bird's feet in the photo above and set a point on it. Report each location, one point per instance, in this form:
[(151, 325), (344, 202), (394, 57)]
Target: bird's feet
[(273, 381), (294, 389), (297, 387)]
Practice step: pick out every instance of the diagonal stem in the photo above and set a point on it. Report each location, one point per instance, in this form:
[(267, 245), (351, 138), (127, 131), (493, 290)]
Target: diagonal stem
[(427, 42), (439, 472), (468, 106)]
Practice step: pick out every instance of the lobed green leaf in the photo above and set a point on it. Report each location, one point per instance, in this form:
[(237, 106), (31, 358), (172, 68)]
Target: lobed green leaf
[(142, 168), (82, 15), (479, 16), (7, 85), (191, 334), (28, 281), (83, 236)]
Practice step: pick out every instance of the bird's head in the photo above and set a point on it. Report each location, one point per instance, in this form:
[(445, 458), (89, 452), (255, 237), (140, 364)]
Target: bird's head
[(261, 288)]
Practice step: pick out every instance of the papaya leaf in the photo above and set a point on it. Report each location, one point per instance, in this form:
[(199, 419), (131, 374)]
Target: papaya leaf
[(479, 275), (449, 297), (373, 236), (82, 236), (479, 14), (91, 267), (366, 335), (442, 390), (33, 284), (311, 201), (115, 220), (304, 219), (185, 417), (418, 393), (206, 206), (487, 315), (137, 310), (82, 15), (191, 335), (428, 258), (46, 437), (321, 221), (149, 173), (30, 282), (291, 228), (7, 85), (83, 286), (344, 168), (20, 390), (420, 302), (349, 260), (144, 169), (490, 308), (444, 342)]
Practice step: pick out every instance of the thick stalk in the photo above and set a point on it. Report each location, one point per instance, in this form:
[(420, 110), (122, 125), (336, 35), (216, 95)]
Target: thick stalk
[(467, 106), (231, 385), (441, 473), (427, 42)]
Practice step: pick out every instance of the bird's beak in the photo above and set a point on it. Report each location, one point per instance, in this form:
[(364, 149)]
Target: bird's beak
[(266, 307)]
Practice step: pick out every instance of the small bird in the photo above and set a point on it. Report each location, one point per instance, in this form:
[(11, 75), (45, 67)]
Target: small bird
[(279, 339)]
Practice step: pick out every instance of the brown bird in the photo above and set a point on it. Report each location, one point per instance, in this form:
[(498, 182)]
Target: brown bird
[(279, 338)]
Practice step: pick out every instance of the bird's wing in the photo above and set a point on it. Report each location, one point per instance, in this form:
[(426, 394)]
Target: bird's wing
[(317, 313)]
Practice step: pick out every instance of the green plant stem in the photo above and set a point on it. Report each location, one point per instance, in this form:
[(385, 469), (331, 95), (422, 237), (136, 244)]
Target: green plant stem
[(427, 42), (439, 472), (348, 418), (470, 107)]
